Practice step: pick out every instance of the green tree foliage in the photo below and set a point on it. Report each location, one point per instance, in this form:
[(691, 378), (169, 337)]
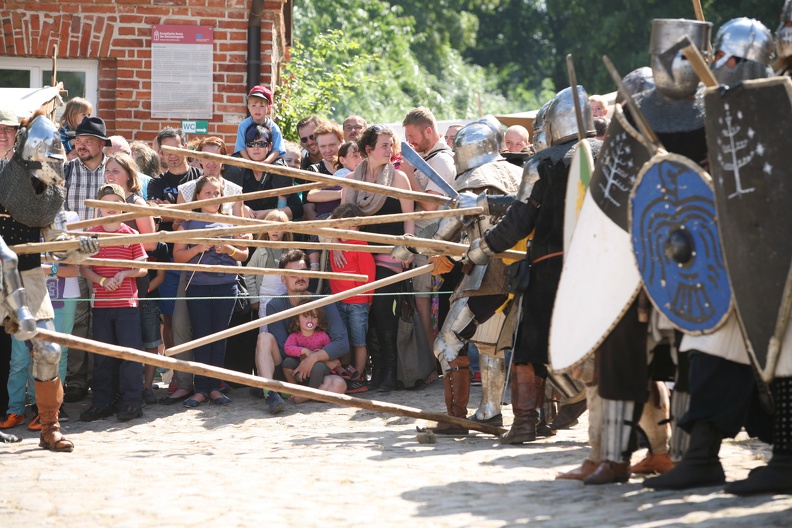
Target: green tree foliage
[(466, 57)]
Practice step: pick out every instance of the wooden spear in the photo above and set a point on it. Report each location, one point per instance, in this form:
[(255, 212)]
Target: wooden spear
[(277, 244), (147, 210), (188, 206), (192, 367), (331, 181), (219, 269), (258, 323)]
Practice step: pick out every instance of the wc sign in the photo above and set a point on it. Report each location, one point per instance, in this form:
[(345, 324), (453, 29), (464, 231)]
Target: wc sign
[(195, 127)]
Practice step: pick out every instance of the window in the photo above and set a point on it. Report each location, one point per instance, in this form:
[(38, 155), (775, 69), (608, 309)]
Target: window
[(79, 77)]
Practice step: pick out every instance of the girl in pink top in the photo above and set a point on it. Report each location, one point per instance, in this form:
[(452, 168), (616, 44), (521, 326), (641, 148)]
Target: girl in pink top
[(307, 333)]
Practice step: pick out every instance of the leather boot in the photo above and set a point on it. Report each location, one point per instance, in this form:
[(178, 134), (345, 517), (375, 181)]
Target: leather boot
[(617, 432), (588, 467), (377, 368), (776, 476), (388, 359), (526, 391), (653, 464), (700, 465), (457, 394), (49, 398), (609, 472)]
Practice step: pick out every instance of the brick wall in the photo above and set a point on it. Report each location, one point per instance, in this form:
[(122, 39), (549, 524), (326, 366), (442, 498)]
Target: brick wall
[(117, 33)]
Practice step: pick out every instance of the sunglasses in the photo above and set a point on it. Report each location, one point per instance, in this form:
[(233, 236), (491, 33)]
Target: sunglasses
[(307, 139), (259, 144)]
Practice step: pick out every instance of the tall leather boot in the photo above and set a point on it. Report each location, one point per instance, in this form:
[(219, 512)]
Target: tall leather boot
[(49, 398), (776, 476), (527, 394), (457, 393), (617, 430), (700, 465), (388, 359)]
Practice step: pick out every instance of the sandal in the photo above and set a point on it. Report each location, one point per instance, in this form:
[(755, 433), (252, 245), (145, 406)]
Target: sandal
[(222, 400)]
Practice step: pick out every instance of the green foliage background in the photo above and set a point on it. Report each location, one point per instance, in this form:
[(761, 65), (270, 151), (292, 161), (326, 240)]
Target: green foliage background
[(464, 58)]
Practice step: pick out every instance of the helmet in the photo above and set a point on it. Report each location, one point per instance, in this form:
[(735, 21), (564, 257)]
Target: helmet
[(496, 127), (539, 135), (39, 147), (744, 38), (560, 122), (674, 76), (637, 81), (476, 144), (783, 37)]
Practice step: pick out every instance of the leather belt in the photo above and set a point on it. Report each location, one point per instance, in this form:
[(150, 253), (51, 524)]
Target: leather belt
[(548, 256)]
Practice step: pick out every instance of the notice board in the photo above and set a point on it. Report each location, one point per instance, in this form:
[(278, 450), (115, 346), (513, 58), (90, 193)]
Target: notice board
[(181, 71)]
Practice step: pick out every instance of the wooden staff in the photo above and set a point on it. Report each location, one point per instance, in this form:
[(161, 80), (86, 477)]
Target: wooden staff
[(192, 367), (449, 248), (698, 62), (258, 323), (220, 269), (187, 206), (331, 181), (147, 210), (699, 11), (301, 245)]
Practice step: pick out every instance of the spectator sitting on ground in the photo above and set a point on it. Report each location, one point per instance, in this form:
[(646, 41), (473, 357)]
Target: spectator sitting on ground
[(313, 368)]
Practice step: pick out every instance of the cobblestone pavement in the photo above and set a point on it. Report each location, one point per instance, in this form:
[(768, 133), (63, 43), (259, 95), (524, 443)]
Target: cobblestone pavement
[(323, 465)]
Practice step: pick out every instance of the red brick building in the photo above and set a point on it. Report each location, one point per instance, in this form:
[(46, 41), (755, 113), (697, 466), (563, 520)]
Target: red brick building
[(105, 54)]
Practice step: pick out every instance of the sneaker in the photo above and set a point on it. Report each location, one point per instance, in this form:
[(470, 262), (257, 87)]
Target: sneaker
[(12, 420), (35, 423), (149, 398), (129, 412), (475, 379), (357, 385), (96, 413), (63, 417), (275, 402)]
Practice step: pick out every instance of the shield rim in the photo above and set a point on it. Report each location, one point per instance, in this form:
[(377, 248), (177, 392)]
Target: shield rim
[(705, 176)]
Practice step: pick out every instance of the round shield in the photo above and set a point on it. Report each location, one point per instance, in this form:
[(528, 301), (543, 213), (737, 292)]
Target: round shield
[(676, 244)]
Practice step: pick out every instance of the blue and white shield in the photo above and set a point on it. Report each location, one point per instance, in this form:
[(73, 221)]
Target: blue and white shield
[(676, 243)]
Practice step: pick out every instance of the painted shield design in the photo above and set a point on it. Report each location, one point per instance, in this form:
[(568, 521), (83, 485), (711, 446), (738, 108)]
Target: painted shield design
[(599, 279), (676, 244), (749, 137), (579, 176)]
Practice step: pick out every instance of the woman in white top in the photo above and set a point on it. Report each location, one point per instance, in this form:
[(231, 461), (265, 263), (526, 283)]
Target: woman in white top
[(267, 286)]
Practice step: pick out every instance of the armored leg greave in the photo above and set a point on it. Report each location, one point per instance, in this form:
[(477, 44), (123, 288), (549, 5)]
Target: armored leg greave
[(448, 343), (493, 379), (617, 428), (46, 355), (680, 440)]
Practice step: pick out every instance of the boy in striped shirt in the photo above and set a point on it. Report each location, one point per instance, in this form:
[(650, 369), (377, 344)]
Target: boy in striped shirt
[(116, 318)]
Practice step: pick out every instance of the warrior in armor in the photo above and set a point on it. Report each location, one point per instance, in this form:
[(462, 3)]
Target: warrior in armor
[(474, 314), (538, 207), (31, 201), (743, 51)]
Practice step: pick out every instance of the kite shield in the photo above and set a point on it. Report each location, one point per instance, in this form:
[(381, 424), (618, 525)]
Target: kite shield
[(599, 279), (749, 137)]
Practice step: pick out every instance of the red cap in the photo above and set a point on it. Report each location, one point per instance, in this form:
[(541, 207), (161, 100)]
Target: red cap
[(260, 91)]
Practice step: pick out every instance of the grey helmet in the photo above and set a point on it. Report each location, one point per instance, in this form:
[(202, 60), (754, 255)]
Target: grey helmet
[(675, 77), (750, 41), (560, 122), (478, 143), (39, 147), (539, 134), (637, 81), (783, 36)]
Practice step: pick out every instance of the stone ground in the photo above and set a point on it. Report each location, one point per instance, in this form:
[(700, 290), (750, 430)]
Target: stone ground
[(323, 465)]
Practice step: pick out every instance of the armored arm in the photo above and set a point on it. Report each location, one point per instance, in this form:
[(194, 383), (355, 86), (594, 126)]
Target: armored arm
[(56, 232), (22, 323)]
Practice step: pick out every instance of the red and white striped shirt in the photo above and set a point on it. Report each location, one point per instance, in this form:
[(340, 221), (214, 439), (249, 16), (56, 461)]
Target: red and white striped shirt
[(126, 296)]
